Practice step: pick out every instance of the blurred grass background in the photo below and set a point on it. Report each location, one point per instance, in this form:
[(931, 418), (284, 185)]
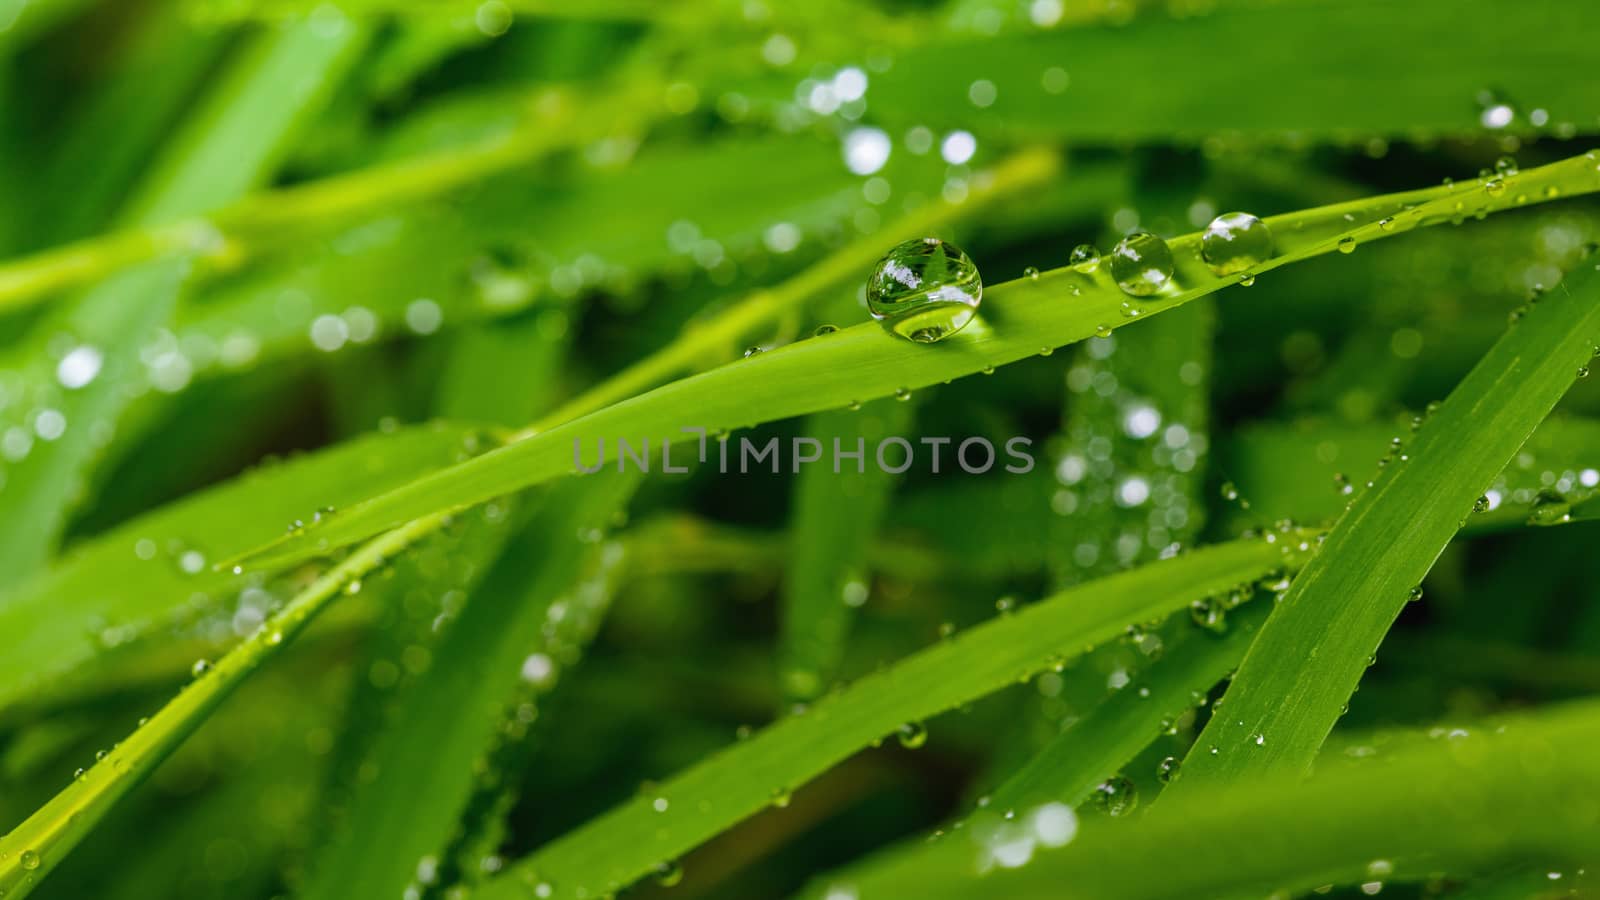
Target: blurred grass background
[(328, 221)]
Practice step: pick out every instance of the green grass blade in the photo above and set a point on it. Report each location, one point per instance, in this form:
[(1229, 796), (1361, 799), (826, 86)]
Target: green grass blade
[(33, 848), (145, 575), (836, 515), (627, 843), (1455, 806), (1396, 69), (1297, 677), (1020, 319), (1069, 768), (531, 606)]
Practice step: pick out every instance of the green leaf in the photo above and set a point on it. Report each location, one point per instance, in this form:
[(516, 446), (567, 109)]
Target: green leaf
[(1020, 319), (1297, 677), (628, 842)]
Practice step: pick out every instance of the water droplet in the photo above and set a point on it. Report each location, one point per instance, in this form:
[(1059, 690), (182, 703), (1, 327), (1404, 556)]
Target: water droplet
[(903, 394), (1167, 769), (1234, 242), (29, 860), (1347, 244), (925, 289), (1031, 273), (1416, 592), (1141, 264), (1118, 796), (200, 667), (751, 351), (781, 797), (1084, 258), (1229, 491), (1494, 187), (668, 873), (1386, 223), (912, 735), (1209, 614), (1506, 166)]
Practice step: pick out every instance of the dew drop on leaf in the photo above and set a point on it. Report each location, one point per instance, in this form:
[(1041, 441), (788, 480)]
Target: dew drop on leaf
[(668, 873), (912, 735), (1084, 258), (1234, 242), (925, 290), (1141, 264), (1167, 769), (1118, 796)]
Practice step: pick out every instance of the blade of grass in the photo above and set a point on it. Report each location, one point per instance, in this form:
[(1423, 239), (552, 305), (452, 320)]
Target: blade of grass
[(1020, 319), (1069, 768), (1294, 683), (1458, 806), (150, 573), (33, 848), (836, 514), (621, 846)]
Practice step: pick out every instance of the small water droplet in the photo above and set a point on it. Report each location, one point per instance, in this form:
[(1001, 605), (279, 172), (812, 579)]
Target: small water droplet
[(751, 351), (925, 290), (1494, 187), (1167, 769), (1118, 796), (1347, 244), (668, 874), (1031, 273), (825, 329), (903, 394), (912, 735), (29, 860), (1084, 258), (200, 667)]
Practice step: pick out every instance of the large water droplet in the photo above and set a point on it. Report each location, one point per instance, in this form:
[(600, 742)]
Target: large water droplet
[(925, 289), (1234, 242), (1141, 264)]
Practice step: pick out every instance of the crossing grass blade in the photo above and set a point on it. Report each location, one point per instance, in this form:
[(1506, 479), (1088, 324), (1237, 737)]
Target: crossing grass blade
[(1297, 677), (655, 828)]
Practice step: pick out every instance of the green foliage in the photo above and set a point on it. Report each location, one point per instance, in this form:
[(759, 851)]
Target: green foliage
[(312, 313)]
